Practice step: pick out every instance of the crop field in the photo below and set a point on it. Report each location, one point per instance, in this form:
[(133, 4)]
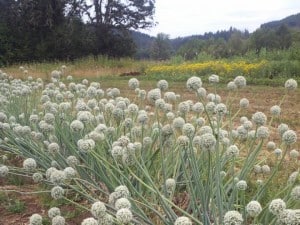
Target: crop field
[(81, 144)]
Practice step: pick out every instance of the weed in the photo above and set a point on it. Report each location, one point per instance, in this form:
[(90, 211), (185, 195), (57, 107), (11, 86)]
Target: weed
[(16, 206)]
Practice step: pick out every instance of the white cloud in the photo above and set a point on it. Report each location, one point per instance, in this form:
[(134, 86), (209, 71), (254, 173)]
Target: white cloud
[(181, 18)]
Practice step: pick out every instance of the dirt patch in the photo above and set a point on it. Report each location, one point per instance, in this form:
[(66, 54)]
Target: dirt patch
[(32, 204)]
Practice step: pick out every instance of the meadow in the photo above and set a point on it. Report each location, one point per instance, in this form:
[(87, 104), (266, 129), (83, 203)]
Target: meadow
[(86, 143)]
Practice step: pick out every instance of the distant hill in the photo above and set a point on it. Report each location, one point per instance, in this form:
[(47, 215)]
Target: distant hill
[(144, 41), (292, 21)]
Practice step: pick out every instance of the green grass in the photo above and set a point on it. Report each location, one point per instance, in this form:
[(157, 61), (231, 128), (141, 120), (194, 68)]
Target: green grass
[(16, 206), (104, 68)]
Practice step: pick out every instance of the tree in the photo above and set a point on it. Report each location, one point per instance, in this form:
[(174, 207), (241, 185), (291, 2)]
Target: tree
[(264, 38), (284, 37), (191, 49), (161, 48), (237, 44), (112, 20), (55, 29)]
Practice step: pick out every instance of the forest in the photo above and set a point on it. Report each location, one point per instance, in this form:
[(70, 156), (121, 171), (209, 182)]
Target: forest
[(37, 31)]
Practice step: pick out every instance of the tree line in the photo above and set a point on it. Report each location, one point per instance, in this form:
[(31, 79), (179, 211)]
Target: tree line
[(35, 30), (39, 30), (226, 44)]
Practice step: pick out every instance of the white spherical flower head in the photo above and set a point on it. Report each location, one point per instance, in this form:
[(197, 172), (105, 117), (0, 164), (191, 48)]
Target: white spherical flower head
[(247, 125), (142, 94), (207, 142), (205, 129), (295, 193), (244, 103), (170, 116), (160, 104), (69, 78), (275, 110), (231, 86), (85, 145), (278, 152), (232, 151), (265, 169), (188, 130), (76, 126), (277, 206), (106, 220), (133, 109), (153, 95), (233, 218), (184, 107), (201, 92), (69, 173), (253, 208), (257, 169), (115, 92), (259, 118), (183, 141), (162, 85), (57, 177), (33, 118), (49, 118), (198, 107), (182, 220), (291, 84), (221, 109), (122, 203), (242, 133), (193, 83), (240, 81), (241, 185), (178, 123), (124, 216), (72, 161), (58, 220), (200, 121), (289, 217), (55, 74), (289, 137), (170, 96), (293, 177), (53, 212), (29, 164), (98, 209), (53, 148), (210, 107), (57, 192), (133, 83), (271, 145), (262, 132), (36, 219), (37, 177), (122, 191), (294, 154), (243, 119), (213, 79), (89, 221), (282, 128), (170, 185)]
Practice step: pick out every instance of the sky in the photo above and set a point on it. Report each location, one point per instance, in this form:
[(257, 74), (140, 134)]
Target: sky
[(179, 18)]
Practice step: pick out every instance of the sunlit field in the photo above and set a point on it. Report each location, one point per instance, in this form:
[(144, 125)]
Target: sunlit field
[(91, 144)]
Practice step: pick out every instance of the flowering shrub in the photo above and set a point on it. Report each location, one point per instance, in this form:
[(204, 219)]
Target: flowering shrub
[(141, 155), (220, 67)]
